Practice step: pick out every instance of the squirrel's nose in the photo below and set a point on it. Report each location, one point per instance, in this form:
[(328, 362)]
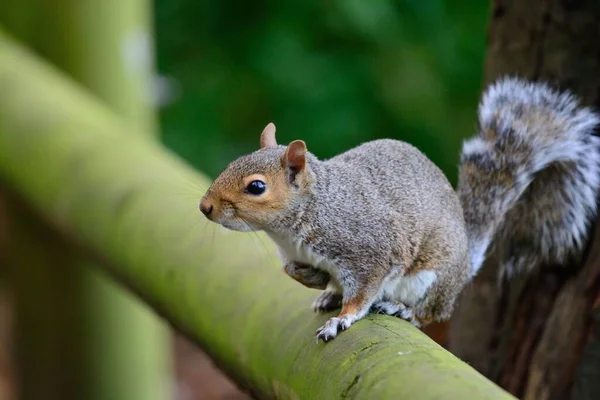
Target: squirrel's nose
[(205, 207)]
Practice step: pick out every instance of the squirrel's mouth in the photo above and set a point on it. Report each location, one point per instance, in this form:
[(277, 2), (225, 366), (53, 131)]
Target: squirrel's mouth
[(237, 224)]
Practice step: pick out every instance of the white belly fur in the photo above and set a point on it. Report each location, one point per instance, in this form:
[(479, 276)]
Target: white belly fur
[(290, 250), (407, 289)]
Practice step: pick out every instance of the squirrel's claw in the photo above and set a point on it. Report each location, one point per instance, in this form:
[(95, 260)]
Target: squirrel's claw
[(328, 331), (332, 327)]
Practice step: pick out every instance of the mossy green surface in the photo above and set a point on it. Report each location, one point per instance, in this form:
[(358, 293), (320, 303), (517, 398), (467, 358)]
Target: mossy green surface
[(104, 342), (133, 204)]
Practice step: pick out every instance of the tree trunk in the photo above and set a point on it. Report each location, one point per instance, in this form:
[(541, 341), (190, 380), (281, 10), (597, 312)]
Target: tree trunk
[(535, 335)]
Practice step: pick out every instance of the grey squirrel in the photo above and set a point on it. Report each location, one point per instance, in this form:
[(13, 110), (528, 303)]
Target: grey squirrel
[(379, 228)]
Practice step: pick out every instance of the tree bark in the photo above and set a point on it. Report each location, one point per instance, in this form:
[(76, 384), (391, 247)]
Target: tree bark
[(534, 334), (116, 194)]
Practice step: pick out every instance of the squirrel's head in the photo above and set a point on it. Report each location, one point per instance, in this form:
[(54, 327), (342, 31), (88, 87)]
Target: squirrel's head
[(258, 189)]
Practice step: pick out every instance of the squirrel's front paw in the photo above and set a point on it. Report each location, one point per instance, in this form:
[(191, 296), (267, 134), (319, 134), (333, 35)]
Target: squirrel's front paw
[(307, 275), (327, 301), (333, 326)]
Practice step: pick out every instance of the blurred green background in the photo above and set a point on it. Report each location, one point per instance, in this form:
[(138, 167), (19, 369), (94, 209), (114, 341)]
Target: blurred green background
[(333, 73)]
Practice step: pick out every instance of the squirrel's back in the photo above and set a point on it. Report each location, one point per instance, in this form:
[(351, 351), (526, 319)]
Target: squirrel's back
[(405, 181), (396, 166), (529, 180)]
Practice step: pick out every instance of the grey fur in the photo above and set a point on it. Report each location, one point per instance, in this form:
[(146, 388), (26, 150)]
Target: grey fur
[(383, 221), (529, 181), (375, 213)]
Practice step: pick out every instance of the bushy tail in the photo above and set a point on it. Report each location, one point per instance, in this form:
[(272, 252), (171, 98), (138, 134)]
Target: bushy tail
[(529, 181)]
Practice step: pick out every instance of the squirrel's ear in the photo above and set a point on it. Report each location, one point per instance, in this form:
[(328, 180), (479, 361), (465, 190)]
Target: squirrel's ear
[(294, 159), (267, 137)]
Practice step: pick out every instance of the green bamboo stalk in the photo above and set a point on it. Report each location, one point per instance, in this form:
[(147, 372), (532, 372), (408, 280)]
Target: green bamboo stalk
[(107, 46), (60, 149), (47, 282), (121, 350)]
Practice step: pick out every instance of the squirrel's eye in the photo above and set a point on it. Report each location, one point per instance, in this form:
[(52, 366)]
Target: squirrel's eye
[(256, 187)]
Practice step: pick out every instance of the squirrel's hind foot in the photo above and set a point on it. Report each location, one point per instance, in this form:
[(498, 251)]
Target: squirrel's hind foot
[(396, 309), (327, 301)]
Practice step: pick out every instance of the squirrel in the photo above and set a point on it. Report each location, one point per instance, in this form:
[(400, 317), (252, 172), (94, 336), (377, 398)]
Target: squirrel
[(379, 228)]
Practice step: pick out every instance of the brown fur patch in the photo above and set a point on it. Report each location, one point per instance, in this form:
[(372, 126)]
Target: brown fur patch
[(353, 306), (253, 209)]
